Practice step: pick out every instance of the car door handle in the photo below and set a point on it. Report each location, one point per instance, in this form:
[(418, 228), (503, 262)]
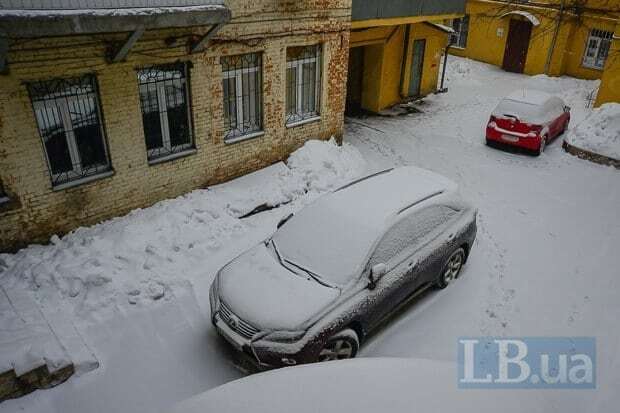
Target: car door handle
[(451, 237), (412, 264)]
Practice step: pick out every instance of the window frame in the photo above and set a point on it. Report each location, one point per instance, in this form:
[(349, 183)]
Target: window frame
[(61, 103), (460, 34), (300, 116), (599, 36), (237, 134), (156, 155)]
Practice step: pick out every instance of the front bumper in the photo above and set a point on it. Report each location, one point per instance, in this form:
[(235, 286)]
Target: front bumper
[(261, 353), (531, 143)]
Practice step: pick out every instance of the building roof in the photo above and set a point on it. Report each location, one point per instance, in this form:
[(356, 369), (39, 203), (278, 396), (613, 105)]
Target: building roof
[(100, 4)]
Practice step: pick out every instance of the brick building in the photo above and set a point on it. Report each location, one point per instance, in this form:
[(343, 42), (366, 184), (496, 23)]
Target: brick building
[(116, 106)]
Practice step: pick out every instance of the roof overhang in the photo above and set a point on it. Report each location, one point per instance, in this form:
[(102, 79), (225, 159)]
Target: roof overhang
[(529, 16), (441, 27), (44, 23)]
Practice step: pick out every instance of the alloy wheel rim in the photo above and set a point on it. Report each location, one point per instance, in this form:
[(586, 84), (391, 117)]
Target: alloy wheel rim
[(453, 267), (336, 350)]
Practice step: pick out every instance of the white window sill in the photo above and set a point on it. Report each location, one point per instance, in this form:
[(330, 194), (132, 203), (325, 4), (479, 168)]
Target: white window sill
[(82, 181), (4, 199), (458, 47), (172, 156), (586, 66), (244, 137), (303, 121)]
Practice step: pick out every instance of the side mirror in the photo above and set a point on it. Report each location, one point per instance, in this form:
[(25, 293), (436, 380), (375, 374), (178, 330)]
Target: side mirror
[(566, 108), (376, 272)]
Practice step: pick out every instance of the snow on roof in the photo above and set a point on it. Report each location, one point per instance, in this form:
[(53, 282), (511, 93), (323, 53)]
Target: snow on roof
[(362, 385), (533, 97), (100, 4), (333, 235), (441, 27), (533, 19)]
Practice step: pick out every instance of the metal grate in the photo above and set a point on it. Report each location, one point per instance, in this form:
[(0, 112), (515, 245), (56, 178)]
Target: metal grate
[(164, 97), (68, 115), (597, 48), (461, 30), (235, 323), (243, 94), (303, 82)]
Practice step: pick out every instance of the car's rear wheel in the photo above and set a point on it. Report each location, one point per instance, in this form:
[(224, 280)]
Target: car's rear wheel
[(340, 346), (452, 268)]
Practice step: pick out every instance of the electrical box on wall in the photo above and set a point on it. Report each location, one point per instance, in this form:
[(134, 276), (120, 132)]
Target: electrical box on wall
[(500, 32)]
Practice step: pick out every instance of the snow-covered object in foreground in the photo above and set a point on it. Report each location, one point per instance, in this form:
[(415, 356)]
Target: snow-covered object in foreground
[(528, 119), (599, 132), (338, 267), (365, 385)]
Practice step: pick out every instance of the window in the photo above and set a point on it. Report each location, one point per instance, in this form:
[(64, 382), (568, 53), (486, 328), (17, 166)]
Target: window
[(164, 97), (461, 29), (411, 231), (597, 49), (243, 95), (3, 196), (69, 120), (303, 83)]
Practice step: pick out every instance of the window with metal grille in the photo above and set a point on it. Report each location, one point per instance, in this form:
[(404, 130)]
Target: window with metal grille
[(243, 95), (597, 48), (461, 29), (303, 83), (68, 115), (164, 97)]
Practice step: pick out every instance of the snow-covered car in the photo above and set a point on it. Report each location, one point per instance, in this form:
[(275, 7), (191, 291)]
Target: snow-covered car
[(337, 268), (528, 119)]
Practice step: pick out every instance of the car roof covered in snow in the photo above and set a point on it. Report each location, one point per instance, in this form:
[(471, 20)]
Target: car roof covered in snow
[(333, 236), (532, 97)]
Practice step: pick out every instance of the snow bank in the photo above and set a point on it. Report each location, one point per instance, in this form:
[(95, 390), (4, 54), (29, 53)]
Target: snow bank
[(150, 254), (599, 132)]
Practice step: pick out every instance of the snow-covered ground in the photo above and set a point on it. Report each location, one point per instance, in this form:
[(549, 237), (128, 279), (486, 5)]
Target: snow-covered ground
[(545, 263), (599, 132)]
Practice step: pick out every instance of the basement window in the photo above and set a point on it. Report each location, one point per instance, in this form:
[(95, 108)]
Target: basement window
[(597, 49), (461, 30), (303, 83), (164, 97), (243, 96), (69, 117)]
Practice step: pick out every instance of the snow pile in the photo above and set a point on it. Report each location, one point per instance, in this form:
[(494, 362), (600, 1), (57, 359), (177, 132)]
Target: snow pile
[(599, 132), (325, 165), (567, 88), (139, 258)]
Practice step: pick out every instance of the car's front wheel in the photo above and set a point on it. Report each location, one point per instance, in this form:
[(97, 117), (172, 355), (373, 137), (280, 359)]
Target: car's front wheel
[(543, 144), (452, 268), (340, 346)]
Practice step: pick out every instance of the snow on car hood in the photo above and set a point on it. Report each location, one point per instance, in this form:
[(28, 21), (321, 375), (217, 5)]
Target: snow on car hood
[(259, 290)]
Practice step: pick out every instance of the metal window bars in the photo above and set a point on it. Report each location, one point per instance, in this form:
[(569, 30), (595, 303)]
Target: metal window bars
[(303, 83), (243, 95), (597, 48), (461, 30), (164, 97), (68, 116)]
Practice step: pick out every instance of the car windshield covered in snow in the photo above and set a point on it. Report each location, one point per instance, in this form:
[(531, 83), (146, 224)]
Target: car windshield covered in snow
[(330, 244)]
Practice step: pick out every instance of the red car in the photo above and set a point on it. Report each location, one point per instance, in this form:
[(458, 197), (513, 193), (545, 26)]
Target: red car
[(528, 119)]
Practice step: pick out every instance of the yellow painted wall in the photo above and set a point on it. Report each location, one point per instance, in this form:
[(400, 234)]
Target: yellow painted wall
[(610, 83), (383, 82), (488, 33)]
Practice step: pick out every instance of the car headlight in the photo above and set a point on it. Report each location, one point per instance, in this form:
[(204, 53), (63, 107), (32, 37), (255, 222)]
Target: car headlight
[(214, 294), (285, 336)]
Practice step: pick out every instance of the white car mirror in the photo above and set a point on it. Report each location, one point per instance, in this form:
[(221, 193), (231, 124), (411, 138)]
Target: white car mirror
[(376, 272)]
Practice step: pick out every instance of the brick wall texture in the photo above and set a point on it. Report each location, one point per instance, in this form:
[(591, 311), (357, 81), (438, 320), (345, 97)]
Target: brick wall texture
[(36, 211)]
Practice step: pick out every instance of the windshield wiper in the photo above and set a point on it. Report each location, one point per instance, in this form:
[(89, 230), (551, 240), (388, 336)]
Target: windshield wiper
[(284, 263)]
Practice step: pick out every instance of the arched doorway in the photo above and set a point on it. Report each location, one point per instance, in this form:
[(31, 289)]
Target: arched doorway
[(517, 44)]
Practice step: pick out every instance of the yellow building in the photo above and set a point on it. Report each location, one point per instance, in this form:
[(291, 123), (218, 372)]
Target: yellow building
[(395, 52), (556, 37), (610, 82)]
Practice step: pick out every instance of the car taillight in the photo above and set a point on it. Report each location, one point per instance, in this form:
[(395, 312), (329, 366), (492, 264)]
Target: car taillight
[(492, 122), (535, 128)]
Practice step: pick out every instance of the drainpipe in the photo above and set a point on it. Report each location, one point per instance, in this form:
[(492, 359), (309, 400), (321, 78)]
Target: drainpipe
[(443, 89), (555, 38), (403, 67)]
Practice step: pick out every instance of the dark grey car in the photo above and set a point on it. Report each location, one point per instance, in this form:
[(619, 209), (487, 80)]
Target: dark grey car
[(337, 268)]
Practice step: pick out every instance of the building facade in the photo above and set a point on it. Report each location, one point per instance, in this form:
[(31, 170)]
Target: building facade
[(395, 50), (106, 110), (609, 91), (556, 37)]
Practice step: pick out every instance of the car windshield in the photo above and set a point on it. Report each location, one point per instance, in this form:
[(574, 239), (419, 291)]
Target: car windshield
[(524, 111), (331, 245)]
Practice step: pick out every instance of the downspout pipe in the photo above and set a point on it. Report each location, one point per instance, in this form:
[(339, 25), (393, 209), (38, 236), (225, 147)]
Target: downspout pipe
[(555, 38), (443, 89)]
